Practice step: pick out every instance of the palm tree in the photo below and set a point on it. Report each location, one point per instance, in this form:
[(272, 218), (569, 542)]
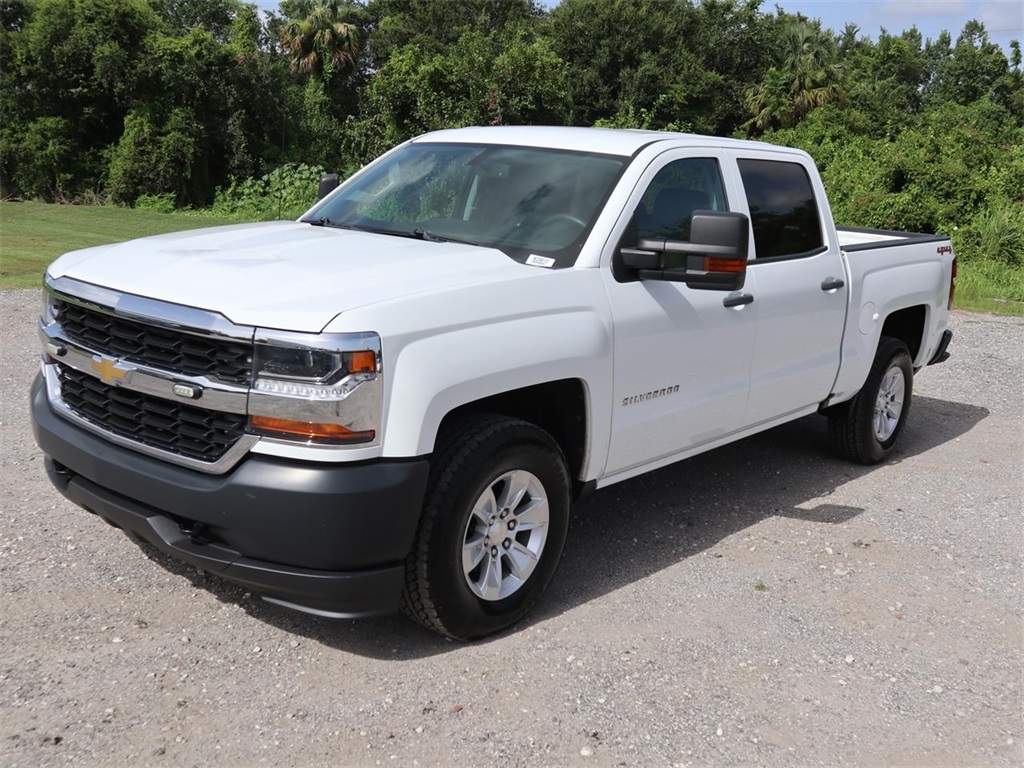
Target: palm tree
[(322, 37), (807, 77), (769, 102), (810, 61)]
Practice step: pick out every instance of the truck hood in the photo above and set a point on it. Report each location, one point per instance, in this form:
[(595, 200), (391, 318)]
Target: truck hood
[(285, 275)]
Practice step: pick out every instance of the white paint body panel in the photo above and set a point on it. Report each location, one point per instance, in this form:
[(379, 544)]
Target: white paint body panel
[(447, 348), (460, 323), (799, 329), (287, 275), (891, 279), (669, 336)]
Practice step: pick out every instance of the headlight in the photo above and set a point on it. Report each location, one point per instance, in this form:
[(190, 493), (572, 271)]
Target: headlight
[(312, 373), (49, 309), (322, 388), (289, 363)]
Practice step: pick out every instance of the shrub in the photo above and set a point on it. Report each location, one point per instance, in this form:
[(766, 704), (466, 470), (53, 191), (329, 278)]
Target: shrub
[(154, 157), (997, 235), (284, 193), (164, 203)]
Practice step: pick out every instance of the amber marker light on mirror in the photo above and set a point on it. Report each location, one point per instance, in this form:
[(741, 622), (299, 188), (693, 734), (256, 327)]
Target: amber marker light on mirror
[(712, 264), (334, 434)]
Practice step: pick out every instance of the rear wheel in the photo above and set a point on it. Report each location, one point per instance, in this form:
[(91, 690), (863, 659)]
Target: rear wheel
[(492, 528), (866, 428)]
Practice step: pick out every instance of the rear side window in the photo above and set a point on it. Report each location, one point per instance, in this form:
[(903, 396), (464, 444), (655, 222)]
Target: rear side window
[(783, 211)]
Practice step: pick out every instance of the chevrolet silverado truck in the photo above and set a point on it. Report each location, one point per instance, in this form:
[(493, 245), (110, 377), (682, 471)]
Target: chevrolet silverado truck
[(395, 400)]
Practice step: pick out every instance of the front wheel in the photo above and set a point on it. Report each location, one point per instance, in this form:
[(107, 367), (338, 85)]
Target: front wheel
[(492, 528), (866, 429)]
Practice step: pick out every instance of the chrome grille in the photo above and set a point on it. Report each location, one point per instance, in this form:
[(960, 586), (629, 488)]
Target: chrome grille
[(154, 345), (170, 426)]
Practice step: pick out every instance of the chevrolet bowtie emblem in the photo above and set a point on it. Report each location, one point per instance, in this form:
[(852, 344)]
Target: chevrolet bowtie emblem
[(108, 370)]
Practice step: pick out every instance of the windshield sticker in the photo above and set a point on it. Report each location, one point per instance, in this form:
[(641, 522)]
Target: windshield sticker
[(539, 261)]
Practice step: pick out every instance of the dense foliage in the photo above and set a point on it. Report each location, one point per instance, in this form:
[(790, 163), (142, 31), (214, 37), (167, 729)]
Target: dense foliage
[(190, 103)]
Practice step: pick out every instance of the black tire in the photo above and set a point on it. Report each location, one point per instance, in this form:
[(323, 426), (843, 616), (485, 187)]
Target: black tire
[(476, 459), (855, 433)]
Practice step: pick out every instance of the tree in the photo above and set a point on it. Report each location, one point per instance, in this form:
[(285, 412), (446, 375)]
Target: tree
[(809, 60), (322, 37), (213, 16), (503, 77), (884, 81), (770, 102), (973, 69), (174, 138), (68, 79), (736, 41), (615, 46), (435, 25), (807, 77), (13, 101), (678, 63)]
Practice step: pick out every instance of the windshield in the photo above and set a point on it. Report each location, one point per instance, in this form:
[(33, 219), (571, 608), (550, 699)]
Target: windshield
[(522, 200)]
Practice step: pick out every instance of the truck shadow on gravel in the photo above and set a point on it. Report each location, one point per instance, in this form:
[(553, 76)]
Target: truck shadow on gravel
[(636, 528)]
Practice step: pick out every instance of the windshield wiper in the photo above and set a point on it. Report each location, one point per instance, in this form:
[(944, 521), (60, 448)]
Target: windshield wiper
[(417, 234), (393, 232), (323, 221), (430, 237)]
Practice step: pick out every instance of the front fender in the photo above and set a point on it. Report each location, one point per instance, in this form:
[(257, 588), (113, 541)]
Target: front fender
[(434, 375)]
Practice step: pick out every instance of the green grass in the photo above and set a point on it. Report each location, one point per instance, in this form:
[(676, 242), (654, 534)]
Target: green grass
[(34, 234), (988, 286)]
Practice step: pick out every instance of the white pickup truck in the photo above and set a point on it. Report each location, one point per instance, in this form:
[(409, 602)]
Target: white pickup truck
[(395, 400)]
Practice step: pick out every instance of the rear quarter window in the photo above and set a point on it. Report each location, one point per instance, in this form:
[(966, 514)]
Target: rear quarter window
[(783, 211)]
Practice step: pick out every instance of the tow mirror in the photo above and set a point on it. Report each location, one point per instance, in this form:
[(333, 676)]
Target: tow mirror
[(715, 258), (328, 183)]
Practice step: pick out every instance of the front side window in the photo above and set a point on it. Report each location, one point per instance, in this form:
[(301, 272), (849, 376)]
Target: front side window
[(676, 191), (522, 200), (783, 212)]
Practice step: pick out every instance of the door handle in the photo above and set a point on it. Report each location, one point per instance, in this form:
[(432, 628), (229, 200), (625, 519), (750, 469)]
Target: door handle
[(737, 300), (831, 283)]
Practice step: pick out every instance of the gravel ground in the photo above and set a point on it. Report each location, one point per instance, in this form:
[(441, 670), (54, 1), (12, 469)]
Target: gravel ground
[(762, 604)]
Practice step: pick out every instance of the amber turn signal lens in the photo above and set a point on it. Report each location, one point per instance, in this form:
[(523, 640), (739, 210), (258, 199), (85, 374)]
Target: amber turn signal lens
[(712, 264), (364, 361), (311, 431)]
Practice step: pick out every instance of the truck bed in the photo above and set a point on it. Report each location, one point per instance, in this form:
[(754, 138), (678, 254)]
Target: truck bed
[(859, 239)]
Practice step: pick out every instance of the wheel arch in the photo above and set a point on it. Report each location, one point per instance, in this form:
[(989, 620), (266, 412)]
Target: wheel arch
[(908, 326), (560, 408), (528, 367)]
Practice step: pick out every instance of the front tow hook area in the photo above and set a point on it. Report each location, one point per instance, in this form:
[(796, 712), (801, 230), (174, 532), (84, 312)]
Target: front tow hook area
[(196, 532)]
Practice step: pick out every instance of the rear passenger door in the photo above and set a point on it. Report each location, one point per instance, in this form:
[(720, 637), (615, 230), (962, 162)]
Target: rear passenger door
[(801, 290)]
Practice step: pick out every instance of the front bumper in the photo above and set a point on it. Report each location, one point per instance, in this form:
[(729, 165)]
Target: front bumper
[(324, 538)]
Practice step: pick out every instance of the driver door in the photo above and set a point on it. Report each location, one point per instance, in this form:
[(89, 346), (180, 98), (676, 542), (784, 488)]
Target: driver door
[(682, 358)]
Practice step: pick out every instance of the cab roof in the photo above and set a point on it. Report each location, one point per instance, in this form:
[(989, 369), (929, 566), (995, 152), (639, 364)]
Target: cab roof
[(608, 141)]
